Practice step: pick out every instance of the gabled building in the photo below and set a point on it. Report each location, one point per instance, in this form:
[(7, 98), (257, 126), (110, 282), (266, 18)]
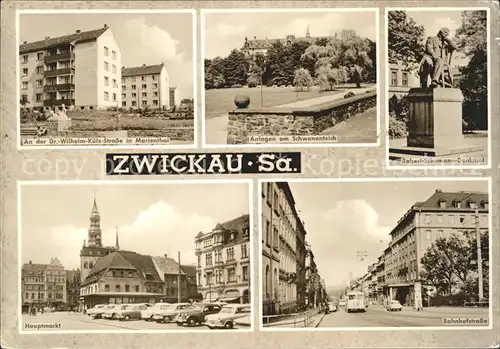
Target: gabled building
[(44, 284), (223, 268), (81, 69)]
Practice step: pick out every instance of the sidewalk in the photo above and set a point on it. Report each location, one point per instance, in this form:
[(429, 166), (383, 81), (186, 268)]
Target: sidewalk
[(298, 321)]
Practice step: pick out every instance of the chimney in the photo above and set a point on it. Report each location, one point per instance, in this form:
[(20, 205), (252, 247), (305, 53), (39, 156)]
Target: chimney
[(105, 26), (78, 31), (439, 191), (25, 42), (47, 37), (165, 255), (144, 65)]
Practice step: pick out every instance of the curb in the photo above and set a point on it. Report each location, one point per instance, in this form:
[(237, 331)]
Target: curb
[(320, 320)]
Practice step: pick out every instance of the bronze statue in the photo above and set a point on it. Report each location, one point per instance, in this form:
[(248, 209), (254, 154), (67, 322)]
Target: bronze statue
[(436, 61)]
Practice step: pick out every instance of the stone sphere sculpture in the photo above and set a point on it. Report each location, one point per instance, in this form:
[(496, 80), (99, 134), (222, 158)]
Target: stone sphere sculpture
[(241, 101)]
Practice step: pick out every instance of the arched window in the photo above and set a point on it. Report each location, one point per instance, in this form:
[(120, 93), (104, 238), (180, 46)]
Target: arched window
[(276, 284), (267, 281), (85, 265), (91, 265)]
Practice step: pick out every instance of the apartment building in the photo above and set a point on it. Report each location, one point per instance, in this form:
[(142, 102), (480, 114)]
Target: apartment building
[(401, 79), (44, 284), (146, 86), (82, 69), (223, 266), (441, 215)]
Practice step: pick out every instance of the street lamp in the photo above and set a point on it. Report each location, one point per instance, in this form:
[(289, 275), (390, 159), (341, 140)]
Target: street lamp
[(479, 257)]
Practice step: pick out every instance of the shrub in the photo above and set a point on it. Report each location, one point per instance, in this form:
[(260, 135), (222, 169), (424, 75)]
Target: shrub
[(397, 128)]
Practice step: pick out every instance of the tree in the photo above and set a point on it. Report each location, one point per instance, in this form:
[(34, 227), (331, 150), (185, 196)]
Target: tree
[(328, 77), (438, 268), (471, 39), (302, 79), (236, 68), (406, 38), (214, 73)]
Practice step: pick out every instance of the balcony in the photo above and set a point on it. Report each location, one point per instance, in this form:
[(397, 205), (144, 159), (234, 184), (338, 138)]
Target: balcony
[(59, 87), (56, 72), (55, 102), (59, 57)]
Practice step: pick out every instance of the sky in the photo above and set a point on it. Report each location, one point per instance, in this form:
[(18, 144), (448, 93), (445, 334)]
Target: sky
[(142, 38), (227, 31), (153, 219), (345, 217)]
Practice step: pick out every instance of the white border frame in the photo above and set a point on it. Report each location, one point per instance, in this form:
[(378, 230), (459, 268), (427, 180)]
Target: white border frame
[(376, 11), (364, 180), (386, 84), (111, 147), (21, 184)]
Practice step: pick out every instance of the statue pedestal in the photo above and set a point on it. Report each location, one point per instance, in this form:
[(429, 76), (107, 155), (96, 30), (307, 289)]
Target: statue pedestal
[(435, 124)]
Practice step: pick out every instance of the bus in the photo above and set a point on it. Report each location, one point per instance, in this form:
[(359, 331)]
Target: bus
[(355, 302)]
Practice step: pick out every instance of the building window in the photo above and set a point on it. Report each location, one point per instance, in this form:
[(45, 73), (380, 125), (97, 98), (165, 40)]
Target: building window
[(106, 81), (91, 265), (230, 254), (134, 103), (231, 275), (106, 66), (134, 87), (124, 80), (219, 277), (452, 219), (106, 96), (113, 54), (39, 56), (208, 259), (124, 95), (85, 265), (113, 68), (155, 102), (114, 83), (144, 103), (106, 288), (155, 77), (440, 218), (25, 87), (127, 288), (442, 204), (441, 233), (39, 69), (485, 205), (136, 288), (199, 261), (124, 104), (472, 205), (114, 97), (25, 71), (39, 97), (117, 288), (394, 78), (25, 59), (123, 88), (244, 251), (155, 94), (39, 83), (143, 78), (268, 233), (404, 80), (144, 86), (245, 273), (155, 86), (144, 94), (209, 279), (427, 219), (106, 51), (134, 95), (428, 235)]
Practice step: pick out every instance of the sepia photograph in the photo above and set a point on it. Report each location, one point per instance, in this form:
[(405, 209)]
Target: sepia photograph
[(161, 263), (106, 78), (290, 76), (333, 257), (438, 87)]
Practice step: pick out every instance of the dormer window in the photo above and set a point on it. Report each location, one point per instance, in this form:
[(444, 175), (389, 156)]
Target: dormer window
[(485, 205), (442, 203), (231, 237), (457, 204), (472, 205)]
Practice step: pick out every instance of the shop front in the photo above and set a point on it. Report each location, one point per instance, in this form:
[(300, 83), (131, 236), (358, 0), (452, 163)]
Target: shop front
[(94, 299)]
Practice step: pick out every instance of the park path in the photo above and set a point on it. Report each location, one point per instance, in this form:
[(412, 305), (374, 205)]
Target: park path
[(324, 99)]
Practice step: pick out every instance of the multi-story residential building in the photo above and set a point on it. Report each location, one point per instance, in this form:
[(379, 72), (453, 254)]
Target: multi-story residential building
[(147, 86), (223, 267), (44, 283), (301, 263), (82, 69), (313, 280), (192, 287), (73, 287), (441, 215), (401, 79)]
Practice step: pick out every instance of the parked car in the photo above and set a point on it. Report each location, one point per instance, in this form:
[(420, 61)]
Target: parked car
[(394, 305), (244, 321), (49, 309), (147, 314), (111, 311), (332, 306), (227, 315), (168, 313), (97, 313), (130, 311), (342, 303), (98, 308), (196, 315)]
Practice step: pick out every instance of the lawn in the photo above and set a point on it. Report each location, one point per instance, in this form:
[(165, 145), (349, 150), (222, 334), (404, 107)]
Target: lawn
[(360, 128), (220, 101)]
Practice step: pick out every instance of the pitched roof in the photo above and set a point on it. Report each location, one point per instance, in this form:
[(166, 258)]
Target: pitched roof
[(96, 251), (237, 224), (142, 70), (143, 263), (190, 270), (76, 38), (34, 267), (451, 197), (166, 265)]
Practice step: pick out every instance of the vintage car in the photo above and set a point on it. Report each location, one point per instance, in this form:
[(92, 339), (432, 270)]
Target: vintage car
[(111, 311), (168, 313), (394, 305), (196, 315), (244, 321), (98, 312), (332, 307), (130, 311), (147, 314), (226, 317), (98, 308)]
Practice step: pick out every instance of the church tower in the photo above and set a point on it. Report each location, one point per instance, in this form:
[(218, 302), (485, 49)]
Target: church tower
[(308, 33), (95, 233)]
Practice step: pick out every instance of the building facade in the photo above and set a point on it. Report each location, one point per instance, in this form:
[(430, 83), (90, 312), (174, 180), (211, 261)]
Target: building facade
[(401, 79), (442, 214), (223, 267), (81, 69), (44, 284), (146, 86), (73, 288)]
